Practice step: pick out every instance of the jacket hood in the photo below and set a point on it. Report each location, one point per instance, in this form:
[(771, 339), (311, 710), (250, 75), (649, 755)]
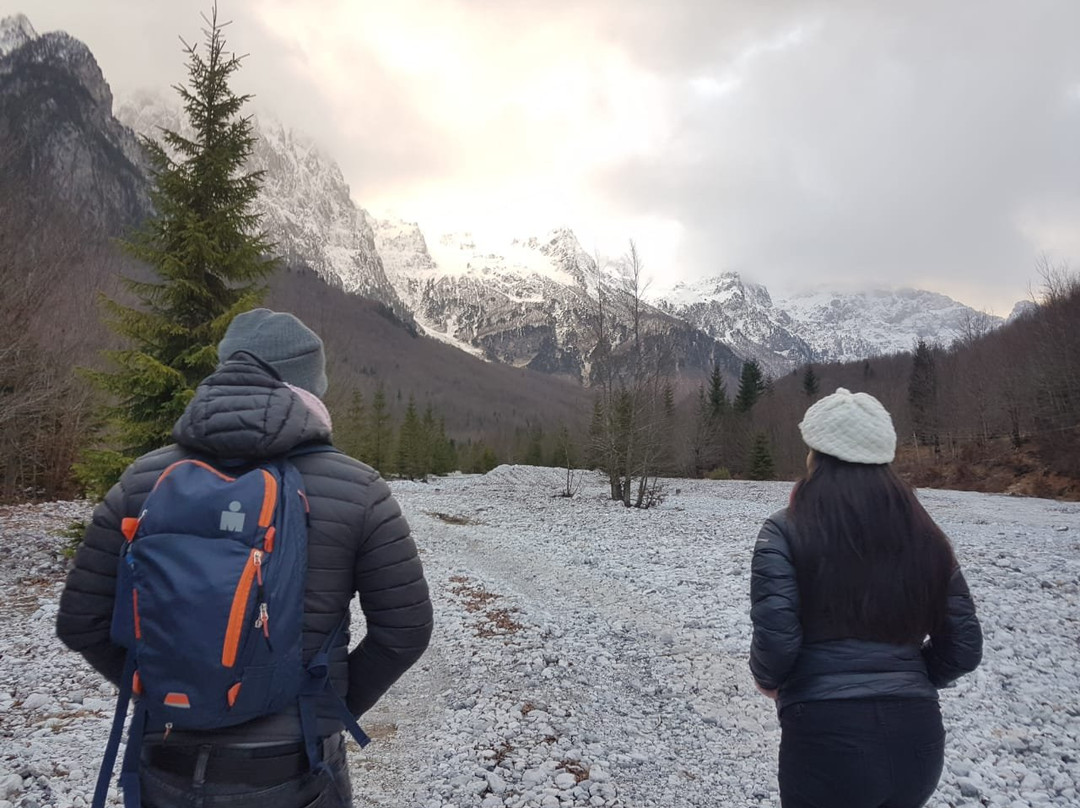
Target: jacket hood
[(242, 411)]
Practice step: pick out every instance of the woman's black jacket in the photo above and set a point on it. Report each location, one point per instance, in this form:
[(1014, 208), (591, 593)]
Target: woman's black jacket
[(846, 668)]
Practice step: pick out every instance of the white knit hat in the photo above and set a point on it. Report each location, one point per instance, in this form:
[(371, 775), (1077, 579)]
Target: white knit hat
[(851, 426)]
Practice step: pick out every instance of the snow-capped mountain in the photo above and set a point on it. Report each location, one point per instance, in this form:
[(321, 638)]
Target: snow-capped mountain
[(820, 326), (530, 302), (528, 307), (305, 202), (741, 315), (842, 327)]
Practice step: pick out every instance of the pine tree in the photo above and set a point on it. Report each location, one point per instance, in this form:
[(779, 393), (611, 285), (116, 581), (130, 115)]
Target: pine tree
[(534, 451), (488, 460), (410, 444), (481, 458), (669, 403), (810, 383), (922, 395), (751, 386), (205, 247), (444, 452), (596, 449), (351, 433), (564, 450), (760, 465), (429, 428), (717, 398), (380, 433)]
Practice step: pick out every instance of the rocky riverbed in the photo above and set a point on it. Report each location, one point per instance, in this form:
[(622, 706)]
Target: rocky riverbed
[(587, 655)]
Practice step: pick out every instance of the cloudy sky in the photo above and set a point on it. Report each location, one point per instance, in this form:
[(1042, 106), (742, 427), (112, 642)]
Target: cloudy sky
[(837, 142)]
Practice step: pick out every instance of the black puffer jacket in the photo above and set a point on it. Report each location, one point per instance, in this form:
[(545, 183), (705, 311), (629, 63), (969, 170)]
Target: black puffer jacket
[(846, 668), (358, 542)]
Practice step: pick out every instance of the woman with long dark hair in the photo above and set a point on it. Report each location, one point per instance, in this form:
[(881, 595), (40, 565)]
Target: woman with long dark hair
[(860, 614)]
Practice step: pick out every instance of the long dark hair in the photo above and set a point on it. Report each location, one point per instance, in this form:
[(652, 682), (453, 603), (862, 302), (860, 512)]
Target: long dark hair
[(870, 561)]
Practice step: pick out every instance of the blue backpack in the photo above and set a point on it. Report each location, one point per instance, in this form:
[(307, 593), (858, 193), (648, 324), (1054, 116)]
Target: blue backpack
[(210, 604)]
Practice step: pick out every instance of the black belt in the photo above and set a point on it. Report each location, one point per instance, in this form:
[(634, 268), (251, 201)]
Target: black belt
[(249, 765)]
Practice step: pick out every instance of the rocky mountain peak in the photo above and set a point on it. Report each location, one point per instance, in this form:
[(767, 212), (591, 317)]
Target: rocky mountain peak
[(722, 288), (565, 251), (397, 238), (1022, 309), (58, 48), (56, 114), (740, 314), (15, 31)]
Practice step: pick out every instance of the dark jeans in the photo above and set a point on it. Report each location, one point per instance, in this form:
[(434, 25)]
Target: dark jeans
[(873, 753), (165, 790)]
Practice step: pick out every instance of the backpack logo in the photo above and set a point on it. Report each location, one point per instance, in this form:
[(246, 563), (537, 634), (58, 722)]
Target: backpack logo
[(232, 520)]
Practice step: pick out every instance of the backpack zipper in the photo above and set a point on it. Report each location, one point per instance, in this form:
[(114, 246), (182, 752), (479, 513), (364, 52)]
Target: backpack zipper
[(239, 608), (263, 620)]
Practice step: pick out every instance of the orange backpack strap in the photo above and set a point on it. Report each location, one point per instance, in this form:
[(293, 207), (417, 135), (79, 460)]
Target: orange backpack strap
[(129, 526)]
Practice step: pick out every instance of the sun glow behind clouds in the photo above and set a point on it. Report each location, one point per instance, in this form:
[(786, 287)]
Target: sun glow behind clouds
[(839, 141), (523, 115)]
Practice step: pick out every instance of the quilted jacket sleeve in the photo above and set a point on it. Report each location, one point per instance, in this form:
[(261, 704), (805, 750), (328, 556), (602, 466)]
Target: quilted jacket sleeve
[(86, 604), (774, 607), (394, 599), (956, 648)]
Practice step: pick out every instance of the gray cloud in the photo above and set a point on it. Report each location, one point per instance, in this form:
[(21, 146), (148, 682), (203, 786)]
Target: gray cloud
[(895, 145)]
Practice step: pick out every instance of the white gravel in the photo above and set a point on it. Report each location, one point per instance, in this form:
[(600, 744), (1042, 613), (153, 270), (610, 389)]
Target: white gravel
[(586, 655)]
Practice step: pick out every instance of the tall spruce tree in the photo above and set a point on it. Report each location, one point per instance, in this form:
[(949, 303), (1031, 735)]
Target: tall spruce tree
[(426, 450), (534, 447), (718, 400), (760, 463), (810, 384), (410, 449), (203, 243), (444, 452), (379, 434), (923, 395), (751, 386), (351, 434)]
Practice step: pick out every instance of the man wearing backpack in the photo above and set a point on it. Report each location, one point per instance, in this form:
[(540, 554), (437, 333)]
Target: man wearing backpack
[(263, 407)]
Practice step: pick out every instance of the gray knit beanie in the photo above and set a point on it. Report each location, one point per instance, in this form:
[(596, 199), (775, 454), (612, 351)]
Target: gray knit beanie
[(280, 340), (851, 426)]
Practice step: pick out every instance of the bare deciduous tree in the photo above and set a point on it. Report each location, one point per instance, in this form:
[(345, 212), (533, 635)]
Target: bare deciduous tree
[(43, 405), (632, 365)]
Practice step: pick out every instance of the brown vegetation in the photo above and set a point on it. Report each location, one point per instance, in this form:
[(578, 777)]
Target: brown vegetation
[(993, 467), (1002, 413), (493, 622)]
